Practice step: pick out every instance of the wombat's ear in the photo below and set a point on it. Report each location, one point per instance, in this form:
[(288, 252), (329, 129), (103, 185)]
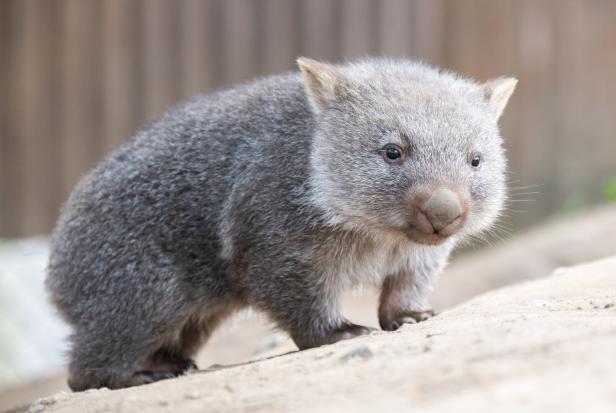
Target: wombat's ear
[(498, 91), (322, 81)]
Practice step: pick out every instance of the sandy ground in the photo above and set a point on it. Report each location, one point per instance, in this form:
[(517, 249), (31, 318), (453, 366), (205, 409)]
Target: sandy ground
[(530, 255), (542, 345)]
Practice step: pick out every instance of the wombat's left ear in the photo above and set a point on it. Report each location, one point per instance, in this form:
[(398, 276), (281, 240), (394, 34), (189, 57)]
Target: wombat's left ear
[(498, 91), (322, 81)]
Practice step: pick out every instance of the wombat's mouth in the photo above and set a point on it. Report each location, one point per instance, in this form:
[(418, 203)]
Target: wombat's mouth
[(429, 236), (422, 238)]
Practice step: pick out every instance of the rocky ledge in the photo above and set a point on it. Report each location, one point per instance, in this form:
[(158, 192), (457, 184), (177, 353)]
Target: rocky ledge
[(543, 345)]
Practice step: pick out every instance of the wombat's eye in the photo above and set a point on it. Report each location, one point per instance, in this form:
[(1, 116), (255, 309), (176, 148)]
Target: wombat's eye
[(391, 153), (475, 159)]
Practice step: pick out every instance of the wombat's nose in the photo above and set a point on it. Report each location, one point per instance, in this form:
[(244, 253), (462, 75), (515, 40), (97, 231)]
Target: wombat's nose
[(442, 208)]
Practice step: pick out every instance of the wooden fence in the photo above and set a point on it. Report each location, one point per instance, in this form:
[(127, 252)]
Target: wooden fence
[(77, 77)]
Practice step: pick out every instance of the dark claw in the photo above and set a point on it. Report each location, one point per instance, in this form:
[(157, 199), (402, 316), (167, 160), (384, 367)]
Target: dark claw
[(350, 331), (344, 332), (148, 377), (189, 366), (408, 317)]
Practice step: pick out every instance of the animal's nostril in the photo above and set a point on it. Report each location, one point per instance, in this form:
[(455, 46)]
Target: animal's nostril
[(442, 208)]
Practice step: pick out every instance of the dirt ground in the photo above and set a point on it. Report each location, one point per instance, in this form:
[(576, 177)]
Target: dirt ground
[(543, 345)]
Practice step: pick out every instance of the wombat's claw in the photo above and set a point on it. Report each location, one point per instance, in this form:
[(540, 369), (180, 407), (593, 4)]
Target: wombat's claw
[(350, 331), (343, 332), (189, 367), (419, 316), (182, 366), (148, 377), (409, 317)]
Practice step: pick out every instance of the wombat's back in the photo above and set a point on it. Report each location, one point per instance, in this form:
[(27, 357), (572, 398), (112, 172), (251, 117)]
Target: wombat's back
[(149, 214)]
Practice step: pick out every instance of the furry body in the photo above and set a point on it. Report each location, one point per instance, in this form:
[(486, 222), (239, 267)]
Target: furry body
[(273, 195)]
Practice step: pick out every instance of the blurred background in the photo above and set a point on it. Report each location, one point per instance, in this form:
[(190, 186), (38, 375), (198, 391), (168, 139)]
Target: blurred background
[(78, 77)]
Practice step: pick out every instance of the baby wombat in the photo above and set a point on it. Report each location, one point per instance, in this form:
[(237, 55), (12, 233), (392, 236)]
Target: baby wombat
[(276, 194)]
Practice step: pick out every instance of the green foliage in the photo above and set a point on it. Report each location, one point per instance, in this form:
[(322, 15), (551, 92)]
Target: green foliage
[(609, 191)]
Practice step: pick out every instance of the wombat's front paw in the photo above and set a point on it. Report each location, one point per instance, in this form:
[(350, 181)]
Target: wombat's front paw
[(408, 317), (344, 332)]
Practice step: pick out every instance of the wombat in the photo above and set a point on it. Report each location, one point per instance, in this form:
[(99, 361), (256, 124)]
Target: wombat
[(277, 194)]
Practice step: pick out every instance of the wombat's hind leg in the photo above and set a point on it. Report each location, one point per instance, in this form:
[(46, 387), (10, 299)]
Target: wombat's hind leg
[(172, 361), (175, 359), (120, 362)]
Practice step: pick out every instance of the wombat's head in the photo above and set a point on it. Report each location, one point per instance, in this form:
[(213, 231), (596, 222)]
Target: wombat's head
[(403, 147)]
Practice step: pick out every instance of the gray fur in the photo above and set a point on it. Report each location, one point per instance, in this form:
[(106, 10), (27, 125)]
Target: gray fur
[(274, 195)]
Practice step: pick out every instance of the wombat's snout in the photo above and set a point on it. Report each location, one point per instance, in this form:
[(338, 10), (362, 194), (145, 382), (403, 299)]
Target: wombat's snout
[(441, 212)]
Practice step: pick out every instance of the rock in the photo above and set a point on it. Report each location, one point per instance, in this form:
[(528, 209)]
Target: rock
[(543, 345)]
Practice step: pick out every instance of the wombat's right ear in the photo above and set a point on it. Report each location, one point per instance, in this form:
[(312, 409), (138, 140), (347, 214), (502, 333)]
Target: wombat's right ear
[(322, 81)]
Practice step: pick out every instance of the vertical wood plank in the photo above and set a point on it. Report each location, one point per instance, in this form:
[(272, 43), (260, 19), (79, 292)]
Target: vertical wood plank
[(460, 29), (53, 128), (34, 117), (280, 36), (320, 29), (9, 151), (161, 56), (239, 40), (198, 46), (427, 30), (81, 88), (584, 58), (359, 35), (600, 95), (122, 67), (395, 37)]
